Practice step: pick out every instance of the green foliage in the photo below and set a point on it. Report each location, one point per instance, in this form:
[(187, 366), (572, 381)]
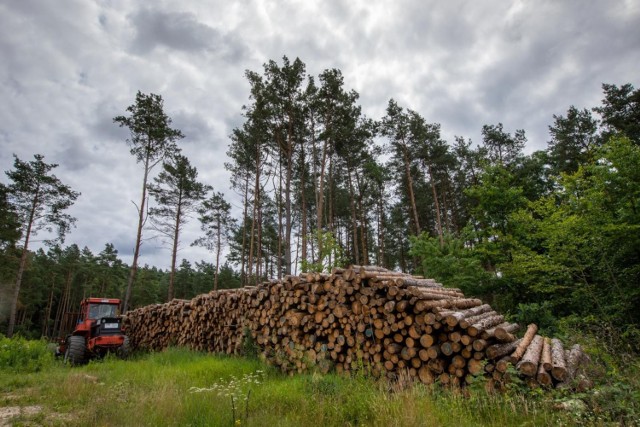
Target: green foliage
[(9, 224), (24, 356), (620, 111), (573, 139), (496, 197), (450, 263), (331, 254), (502, 148), (575, 251), (39, 199), (249, 347), (152, 138), (540, 314)]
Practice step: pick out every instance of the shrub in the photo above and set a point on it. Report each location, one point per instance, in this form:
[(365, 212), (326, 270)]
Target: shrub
[(24, 355), (540, 314)]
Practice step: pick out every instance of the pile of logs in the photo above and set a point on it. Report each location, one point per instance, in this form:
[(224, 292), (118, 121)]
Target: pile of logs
[(360, 317)]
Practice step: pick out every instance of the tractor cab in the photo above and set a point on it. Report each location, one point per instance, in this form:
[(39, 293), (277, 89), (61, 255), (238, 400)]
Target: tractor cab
[(103, 308), (97, 308), (100, 316)]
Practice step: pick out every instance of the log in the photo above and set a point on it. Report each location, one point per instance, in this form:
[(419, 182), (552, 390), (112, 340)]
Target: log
[(425, 375), (483, 324), (543, 377), (545, 358), (505, 333), (558, 364), (503, 364), (529, 364), (499, 350), (576, 356), (524, 344)]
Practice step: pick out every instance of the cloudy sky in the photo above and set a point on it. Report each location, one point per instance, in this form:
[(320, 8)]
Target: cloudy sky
[(68, 67)]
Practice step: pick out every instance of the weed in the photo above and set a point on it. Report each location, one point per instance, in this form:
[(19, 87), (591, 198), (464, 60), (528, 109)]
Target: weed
[(238, 390), (249, 348)]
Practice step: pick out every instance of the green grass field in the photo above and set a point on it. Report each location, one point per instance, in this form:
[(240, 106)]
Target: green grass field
[(179, 387)]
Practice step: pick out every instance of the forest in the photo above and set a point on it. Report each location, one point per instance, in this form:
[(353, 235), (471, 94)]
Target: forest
[(551, 237)]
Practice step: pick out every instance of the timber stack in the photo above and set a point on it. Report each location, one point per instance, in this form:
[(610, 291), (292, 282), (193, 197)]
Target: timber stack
[(359, 316)]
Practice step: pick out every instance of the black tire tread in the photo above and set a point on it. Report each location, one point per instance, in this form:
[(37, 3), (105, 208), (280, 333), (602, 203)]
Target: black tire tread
[(77, 350)]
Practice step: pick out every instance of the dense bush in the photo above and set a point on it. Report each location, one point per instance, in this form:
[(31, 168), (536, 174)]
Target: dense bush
[(22, 355)]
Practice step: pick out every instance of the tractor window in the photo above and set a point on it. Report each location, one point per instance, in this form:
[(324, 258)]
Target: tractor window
[(98, 311)]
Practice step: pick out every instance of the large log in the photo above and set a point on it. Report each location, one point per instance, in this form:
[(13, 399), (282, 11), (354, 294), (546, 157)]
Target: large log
[(505, 333), (529, 363), (558, 363), (499, 350)]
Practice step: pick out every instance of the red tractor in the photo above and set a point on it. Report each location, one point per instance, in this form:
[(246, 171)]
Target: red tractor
[(98, 332)]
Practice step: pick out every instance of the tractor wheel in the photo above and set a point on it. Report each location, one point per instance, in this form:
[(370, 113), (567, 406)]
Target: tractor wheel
[(76, 350), (123, 350)]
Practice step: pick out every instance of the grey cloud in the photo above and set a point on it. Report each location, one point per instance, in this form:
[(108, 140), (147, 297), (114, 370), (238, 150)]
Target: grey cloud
[(182, 31), (75, 154), (193, 125), (66, 72)]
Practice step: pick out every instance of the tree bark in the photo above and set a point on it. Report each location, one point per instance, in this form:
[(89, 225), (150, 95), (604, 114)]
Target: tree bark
[(218, 250), (529, 363), (437, 205), (136, 249), (174, 251), (412, 199), (558, 364), (23, 264), (524, 344)]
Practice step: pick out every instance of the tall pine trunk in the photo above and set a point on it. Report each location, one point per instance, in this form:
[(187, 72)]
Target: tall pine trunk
[(136, 250), (243, 272), (218, 250), (354, 225), (174, 252), (412, 199), (22, 267), (437, 205)]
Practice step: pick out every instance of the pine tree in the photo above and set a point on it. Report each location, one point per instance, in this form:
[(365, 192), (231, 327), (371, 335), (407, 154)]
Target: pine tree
[(152, 140), (177, 194), (39, 199), (217, 223)]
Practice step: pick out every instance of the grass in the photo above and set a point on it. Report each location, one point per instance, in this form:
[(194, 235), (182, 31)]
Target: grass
[(179, 387)]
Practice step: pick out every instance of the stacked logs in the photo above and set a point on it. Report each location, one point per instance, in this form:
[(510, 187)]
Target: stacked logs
[(540, 360), (360, 316)]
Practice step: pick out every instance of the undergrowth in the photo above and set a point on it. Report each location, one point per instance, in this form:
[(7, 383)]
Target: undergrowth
[(22, 355), (179, 387)]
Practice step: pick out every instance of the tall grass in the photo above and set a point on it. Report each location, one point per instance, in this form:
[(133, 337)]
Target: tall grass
[(179, 387)]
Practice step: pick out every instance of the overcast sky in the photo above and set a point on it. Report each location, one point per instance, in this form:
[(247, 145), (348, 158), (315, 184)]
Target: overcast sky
[(68, 67)]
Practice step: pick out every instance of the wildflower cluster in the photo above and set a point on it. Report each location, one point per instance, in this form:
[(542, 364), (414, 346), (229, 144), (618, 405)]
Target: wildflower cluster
[(236, 388)]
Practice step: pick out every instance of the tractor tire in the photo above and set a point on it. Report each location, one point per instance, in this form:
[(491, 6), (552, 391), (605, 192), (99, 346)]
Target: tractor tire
[(76, 350), (123, 350)]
